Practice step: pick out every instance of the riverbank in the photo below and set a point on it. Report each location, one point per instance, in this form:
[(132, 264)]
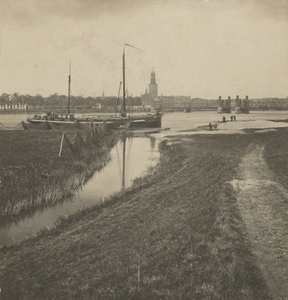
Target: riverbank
[(32, 174), (178, 233)]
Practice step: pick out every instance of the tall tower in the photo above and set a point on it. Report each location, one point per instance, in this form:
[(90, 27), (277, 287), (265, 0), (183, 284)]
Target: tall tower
[(153, 87)]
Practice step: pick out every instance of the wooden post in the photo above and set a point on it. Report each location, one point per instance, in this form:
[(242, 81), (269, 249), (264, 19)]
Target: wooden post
[(69, 144), (61, 145)]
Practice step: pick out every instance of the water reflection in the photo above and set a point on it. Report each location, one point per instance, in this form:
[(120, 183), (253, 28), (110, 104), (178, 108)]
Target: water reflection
[(123, 167), (130, 158), (52, 192)]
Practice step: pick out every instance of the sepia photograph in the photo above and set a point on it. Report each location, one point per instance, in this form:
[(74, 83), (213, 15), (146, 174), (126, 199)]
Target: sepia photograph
[(143, 149)]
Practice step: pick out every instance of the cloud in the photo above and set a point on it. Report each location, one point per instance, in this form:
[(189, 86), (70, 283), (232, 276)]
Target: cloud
[(83, 9), (30, 12), (276, 9)]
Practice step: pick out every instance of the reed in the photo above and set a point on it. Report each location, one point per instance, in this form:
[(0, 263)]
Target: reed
[(33, 175)]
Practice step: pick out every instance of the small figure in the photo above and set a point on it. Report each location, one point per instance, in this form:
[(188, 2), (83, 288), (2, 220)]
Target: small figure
[(231, 118), (234, 118), (224, 119), (210, 126)]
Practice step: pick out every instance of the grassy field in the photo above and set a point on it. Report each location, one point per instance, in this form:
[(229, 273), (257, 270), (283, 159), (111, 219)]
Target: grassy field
[(176, 234), (32, 174)]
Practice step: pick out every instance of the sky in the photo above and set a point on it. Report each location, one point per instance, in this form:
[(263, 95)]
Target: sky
[(197, 48)]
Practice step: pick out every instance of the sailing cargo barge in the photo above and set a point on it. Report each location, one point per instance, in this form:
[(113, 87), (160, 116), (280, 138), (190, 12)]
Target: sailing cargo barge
[(143, 121), (124, 121)]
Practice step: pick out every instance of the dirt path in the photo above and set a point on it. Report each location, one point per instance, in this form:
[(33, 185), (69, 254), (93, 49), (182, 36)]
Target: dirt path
[(264, 208)]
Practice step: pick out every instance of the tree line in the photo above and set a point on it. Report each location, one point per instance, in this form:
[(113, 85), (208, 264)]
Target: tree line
[(62, 100)]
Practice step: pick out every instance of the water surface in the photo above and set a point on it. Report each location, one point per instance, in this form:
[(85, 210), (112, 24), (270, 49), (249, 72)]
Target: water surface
[(130, 158)]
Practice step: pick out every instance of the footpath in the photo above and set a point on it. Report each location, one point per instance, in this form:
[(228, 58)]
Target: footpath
[(263, 204)]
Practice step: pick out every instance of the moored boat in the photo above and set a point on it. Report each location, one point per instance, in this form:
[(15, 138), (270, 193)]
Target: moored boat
[(141, 121), (137, 121)]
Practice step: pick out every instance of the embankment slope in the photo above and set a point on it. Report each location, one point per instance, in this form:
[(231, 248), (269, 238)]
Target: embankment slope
[(176, 234)]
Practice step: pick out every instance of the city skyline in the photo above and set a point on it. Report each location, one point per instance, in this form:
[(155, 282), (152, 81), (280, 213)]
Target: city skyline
[(204, 49)]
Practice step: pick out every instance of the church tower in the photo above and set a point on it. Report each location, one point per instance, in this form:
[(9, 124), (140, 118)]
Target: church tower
[(153, 87)]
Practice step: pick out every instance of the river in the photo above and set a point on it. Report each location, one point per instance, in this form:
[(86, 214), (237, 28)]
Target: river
[(130, 159), (178, 120)]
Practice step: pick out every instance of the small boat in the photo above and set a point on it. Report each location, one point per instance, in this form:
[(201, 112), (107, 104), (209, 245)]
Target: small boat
[(131, 122)]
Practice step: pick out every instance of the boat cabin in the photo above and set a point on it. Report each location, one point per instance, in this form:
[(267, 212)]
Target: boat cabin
[(55, 116), (67, 117)]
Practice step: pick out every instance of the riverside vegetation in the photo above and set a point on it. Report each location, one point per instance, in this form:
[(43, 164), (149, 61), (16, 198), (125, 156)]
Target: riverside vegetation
[(176, 234), (33, 175)]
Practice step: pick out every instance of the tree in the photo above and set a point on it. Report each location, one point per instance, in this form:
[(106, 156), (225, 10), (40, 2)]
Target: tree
[(17, 97), (62, 100), (110, 101), (38, 100), (4, 98), (137, 101), (52, 100), (28, 99)]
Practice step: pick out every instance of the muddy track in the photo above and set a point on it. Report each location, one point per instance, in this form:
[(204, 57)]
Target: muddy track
[(264, 209)]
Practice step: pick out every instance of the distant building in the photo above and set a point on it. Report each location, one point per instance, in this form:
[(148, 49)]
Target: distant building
[(145, 98), (153, 87), (11, 102), (149, 98)]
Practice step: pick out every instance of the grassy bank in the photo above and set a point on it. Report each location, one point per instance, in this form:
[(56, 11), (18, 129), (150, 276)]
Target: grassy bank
[(176, 234), (275, 154), (32, 174)]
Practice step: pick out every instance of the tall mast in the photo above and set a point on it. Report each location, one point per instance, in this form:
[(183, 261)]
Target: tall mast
[(118, 98), (124, 91), (69, 83), (124, 107)]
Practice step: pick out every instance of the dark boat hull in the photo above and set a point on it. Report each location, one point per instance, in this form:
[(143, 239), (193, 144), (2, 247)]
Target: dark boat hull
[(153, 121)]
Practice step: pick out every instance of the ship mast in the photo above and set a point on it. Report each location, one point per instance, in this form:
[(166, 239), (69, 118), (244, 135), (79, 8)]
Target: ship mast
[(69, 83), (116, 107), (124, 107), (124, 91)]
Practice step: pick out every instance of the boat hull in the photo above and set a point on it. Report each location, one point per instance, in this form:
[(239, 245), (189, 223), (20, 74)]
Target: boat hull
[(58, 122), (153, 121), (147, 123)]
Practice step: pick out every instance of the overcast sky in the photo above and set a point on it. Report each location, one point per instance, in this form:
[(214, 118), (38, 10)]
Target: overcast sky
[(199, 48)]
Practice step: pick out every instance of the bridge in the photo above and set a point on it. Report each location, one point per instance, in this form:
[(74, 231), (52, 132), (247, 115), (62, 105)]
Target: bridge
[(221, 105)]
